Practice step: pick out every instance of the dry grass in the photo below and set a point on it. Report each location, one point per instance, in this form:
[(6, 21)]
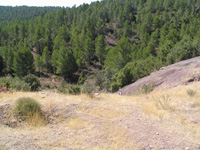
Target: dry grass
[(96, 121), (76, 123), (36, 120)]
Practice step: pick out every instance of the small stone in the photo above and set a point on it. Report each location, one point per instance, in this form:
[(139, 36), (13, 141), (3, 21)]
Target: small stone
[(187, 148), (157, 133), (150, 146)]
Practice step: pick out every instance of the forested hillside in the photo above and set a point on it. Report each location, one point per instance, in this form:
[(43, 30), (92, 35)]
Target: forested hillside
[(125, 39), (9, 13)]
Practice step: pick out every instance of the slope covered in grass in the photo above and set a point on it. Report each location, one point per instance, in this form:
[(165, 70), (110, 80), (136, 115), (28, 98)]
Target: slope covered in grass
[(163, 119)]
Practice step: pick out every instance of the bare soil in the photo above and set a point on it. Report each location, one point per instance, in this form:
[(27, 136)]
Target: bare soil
[(108, 121)]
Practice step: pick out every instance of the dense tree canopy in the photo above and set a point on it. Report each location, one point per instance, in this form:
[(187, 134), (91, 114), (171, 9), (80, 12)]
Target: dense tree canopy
[(132, 37), (8, 13)]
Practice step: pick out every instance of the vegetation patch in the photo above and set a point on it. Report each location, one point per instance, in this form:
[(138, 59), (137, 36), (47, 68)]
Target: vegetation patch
[(74, 90), (191, 92), (28, 109), (164, 103), (88, 88), (33, 82), (147, 88), (14, 84)]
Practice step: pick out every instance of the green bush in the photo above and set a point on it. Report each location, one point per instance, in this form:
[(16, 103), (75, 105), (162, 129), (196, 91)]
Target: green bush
[(14, 84), (147, 88), (88, 88), (81, 78), (100, 80), (185, 49), (33, 81), (115, 86), (27, 107), (191, 92), (62, 88), (133, 71), (74, 90)]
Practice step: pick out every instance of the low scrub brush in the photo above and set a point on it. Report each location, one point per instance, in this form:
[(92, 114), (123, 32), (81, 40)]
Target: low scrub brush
[(28, 109)]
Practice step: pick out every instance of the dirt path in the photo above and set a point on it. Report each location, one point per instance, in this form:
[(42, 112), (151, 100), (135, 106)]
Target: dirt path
[(108, 122)]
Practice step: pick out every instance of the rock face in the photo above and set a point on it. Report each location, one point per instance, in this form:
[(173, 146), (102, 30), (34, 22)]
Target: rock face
[(181, 73)]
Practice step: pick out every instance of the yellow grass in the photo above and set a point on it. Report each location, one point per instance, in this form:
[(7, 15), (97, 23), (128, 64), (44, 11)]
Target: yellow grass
[(36, 120), (76, 123), (173, 109)]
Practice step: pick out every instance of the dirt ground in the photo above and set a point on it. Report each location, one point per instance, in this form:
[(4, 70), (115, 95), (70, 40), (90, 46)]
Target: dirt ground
[(162, 120)]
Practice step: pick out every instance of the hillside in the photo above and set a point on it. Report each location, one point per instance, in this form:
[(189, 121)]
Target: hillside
[(149, 49), (124, 40), (9, 13), (181, 73), (164, 119)]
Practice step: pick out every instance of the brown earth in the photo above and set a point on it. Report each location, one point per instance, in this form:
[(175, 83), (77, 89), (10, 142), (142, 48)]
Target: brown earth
[(3, 89), (161, 120), (181, 73)]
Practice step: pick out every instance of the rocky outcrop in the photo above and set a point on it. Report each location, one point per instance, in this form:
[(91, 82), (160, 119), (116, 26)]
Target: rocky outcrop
[(181, 73)]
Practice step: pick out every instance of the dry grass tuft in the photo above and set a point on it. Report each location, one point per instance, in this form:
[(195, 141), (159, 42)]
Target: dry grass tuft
[(29, 110), (151, 109), (158, 107), (191, 92), (76, 123), (36, 120), (164, 103)]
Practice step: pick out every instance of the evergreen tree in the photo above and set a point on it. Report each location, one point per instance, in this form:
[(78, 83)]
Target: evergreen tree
[(54, 59), (46, 59), (100, 48), (38, 63), (119, 56), (9, 60), (1, 64), (89, 48), (23, 62), (66, 64)]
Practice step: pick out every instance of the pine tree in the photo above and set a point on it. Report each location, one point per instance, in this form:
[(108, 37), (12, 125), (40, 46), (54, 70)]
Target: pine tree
[(89, 48), (1, 64), (38, 63), (23, 62), (100, 48), (120, 55), (54, 59), (66, 64), (46, 59), (9, 60)]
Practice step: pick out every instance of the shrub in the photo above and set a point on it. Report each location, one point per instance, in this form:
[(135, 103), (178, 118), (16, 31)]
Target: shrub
[(88, 88), (100, 80), (164, 103), (26, 108), (147, 88), (81, 78), (75, 90), (63, 87), (14, 84), (133, 71), (33, 81), (115, 86), (191, 92)]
